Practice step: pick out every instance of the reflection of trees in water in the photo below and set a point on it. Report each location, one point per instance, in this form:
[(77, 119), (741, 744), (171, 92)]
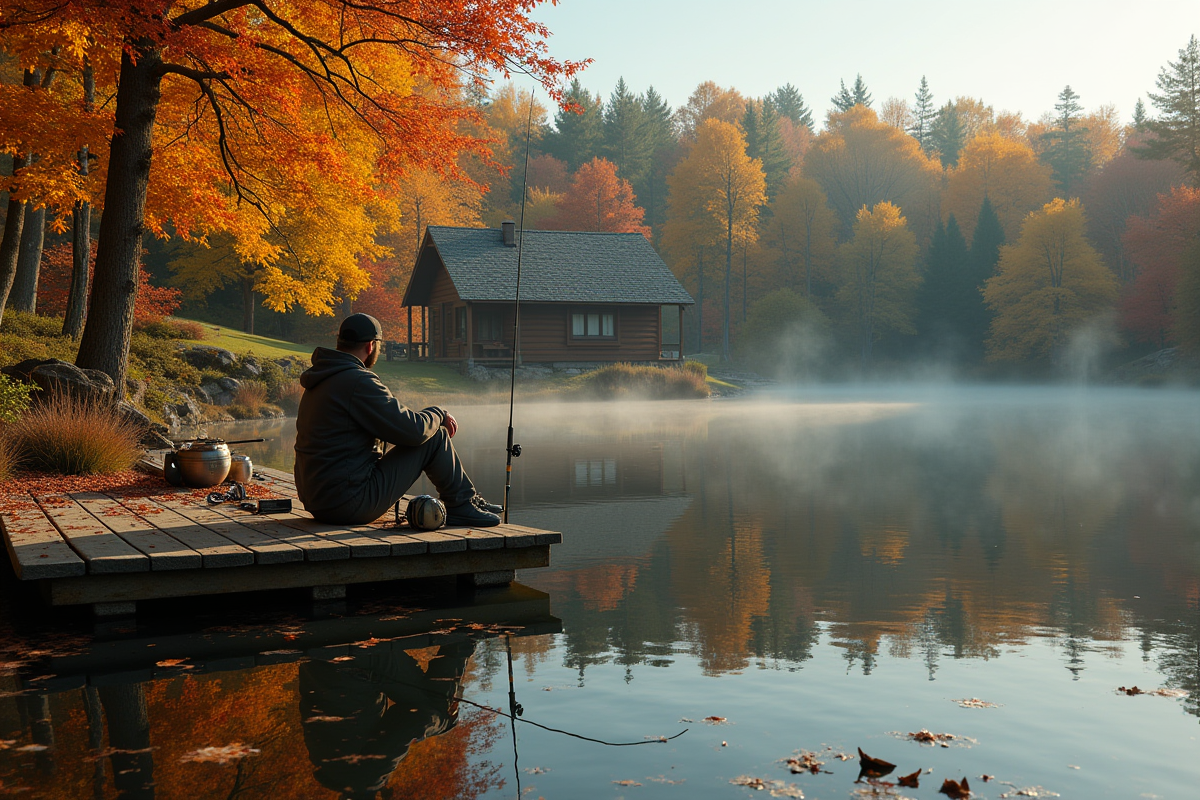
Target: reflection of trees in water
[(942, 535)]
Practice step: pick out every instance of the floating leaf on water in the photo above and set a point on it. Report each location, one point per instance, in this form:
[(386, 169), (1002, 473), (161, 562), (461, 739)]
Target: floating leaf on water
[(955, 789), (423, 656), (666, 780), (339, 659), (776, 788), (1133, 691), (31, 748), (627, 783), (913, 780), (987, 778), (715, 720), (975, 702), (804, 761), (749, 781), (173, 662), (873, 767), (536, 770), (324, 719), (220, 755), (280, 652), (681, 719), (1031, 791)]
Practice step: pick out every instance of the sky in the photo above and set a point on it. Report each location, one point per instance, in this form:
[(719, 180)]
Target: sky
[(1016, 55)]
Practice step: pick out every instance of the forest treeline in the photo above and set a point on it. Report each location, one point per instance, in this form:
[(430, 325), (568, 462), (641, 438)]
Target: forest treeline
[(892, 230)]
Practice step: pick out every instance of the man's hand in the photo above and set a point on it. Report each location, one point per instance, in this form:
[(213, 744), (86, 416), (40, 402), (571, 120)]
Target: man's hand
[(450, 424)]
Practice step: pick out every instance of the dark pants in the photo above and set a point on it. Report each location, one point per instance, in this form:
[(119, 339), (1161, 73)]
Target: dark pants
[(396, 472)]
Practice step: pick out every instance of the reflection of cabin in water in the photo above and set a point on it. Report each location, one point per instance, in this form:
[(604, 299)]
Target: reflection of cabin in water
[(585, 297)]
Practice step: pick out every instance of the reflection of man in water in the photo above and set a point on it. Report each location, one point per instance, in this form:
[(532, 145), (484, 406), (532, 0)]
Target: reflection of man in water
[(361, 716)]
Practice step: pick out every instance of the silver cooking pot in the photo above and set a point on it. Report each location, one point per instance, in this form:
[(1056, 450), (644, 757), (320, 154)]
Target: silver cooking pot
[(202, 463)]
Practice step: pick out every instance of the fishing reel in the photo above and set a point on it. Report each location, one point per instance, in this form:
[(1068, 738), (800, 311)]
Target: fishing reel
[(515, 450)]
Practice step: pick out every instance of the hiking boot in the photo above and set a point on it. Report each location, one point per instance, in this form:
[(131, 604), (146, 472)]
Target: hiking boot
[(484, 505), (468, 515)]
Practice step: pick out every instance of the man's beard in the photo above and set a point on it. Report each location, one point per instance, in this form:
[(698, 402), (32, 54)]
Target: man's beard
[(372, 357)]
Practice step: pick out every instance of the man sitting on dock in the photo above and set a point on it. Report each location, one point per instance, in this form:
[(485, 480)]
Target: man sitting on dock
[(342, 474)]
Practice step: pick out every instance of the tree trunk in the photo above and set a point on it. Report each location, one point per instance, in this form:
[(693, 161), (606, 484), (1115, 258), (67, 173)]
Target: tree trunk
[(129, 737), (105, 342), (81, 232), (10, 246), (29, 261), (728, 280), (248, 305)]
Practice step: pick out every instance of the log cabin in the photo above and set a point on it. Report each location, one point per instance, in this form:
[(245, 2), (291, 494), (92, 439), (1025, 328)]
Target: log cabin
[(586, 298)]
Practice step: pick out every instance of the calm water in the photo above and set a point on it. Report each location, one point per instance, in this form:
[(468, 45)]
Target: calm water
[(822, 569)]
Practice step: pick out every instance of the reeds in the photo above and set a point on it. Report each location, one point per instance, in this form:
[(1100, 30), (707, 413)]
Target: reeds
[(249, 399), (289, 396), (73, 437), (8, 455)]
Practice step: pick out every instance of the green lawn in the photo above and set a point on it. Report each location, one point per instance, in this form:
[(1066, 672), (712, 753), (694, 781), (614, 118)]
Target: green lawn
[(240, 343)]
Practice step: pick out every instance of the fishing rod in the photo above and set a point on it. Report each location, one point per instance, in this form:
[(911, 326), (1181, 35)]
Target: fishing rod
[(514, 710), (514, 450)]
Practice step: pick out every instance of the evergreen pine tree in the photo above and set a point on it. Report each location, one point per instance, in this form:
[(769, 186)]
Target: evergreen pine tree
[(861, 96), (947, 295), (924, 115), (1066, 148), (1177, 128), (984, 256), (651, 191), (764, 142), (788, 101), (947, 135), (626, 139), (576, 138), (843, 100), (1139, 115)]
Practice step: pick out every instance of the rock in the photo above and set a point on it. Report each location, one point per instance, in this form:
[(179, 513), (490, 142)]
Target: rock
[(135, 391), (209, 390), (230, 384), (286, 363), (202, 355), (56, 377), (250, 367), (150, 433)]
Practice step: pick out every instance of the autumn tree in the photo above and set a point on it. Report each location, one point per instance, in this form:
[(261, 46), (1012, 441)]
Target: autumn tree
[(709, 101), (1176, 131), (727, 188), (1065, 143), (1157, 245), (1003, 170), (1049, 283), (859, 161), (895, 112), (801, 234), (877, 276), (690, 240), (251, 73), (599, 200), (1187, 299)]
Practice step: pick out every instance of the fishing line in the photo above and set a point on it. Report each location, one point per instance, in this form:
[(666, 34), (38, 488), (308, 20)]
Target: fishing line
[(514, 450), (655, 740)]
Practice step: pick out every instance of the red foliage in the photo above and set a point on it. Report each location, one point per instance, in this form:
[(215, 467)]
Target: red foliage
[(153, 302), (598, 200), (547, 172), (1156, 245), (382, 299)]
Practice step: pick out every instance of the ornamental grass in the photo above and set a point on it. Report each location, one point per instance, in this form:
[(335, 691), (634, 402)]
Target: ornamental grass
[(289, 397), (641, 382), (8, 456), (72, 437)]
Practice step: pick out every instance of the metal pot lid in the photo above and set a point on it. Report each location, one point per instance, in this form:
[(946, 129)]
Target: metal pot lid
[(205, 444)]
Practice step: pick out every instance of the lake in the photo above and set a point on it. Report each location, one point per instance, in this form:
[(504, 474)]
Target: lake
[(813, 571)]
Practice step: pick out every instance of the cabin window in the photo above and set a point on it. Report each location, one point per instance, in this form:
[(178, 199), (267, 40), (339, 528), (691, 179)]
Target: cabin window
[(593, 325), (460, 324), (489, 325)]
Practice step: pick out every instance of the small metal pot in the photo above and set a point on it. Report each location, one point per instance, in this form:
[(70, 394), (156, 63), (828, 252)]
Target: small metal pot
[(204, 463), (241, 469)]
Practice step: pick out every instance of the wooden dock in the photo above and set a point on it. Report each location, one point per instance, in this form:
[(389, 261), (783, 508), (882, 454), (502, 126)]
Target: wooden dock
[(112, 549)]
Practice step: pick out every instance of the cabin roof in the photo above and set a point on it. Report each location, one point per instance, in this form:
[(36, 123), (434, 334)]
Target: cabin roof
[(556, 267)]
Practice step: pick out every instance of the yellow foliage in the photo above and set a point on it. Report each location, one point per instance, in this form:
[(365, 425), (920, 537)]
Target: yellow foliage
[(1003, 170), (1049, 283), (877, 276), (801, 235)]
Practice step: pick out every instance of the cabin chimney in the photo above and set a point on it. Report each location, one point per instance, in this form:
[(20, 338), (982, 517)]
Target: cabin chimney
[(509, 229)]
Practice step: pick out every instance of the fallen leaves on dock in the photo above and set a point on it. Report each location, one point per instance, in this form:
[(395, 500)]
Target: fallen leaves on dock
[(775, 788), (975, 702), (220, 755)]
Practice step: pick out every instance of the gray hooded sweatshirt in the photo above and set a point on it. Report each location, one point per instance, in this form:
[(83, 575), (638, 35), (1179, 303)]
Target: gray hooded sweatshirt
[(345, 414)]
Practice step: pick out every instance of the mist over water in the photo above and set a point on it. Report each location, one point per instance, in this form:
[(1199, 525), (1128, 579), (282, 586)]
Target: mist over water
[(822, 565)]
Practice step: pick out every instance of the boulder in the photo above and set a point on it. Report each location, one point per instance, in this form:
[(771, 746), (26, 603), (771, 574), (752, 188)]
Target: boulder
[(215, 393), (151, 435), (230, 384), (203, 355), (56, 378), (249, 367)]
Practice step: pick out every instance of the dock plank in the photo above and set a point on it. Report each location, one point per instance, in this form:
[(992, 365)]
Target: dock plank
[(315, 548), (35, 547), (361, 543), (163, 550), (102, 550), (543, 537), (267, 549), (215, 550), (477, 538), (439, 542)]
